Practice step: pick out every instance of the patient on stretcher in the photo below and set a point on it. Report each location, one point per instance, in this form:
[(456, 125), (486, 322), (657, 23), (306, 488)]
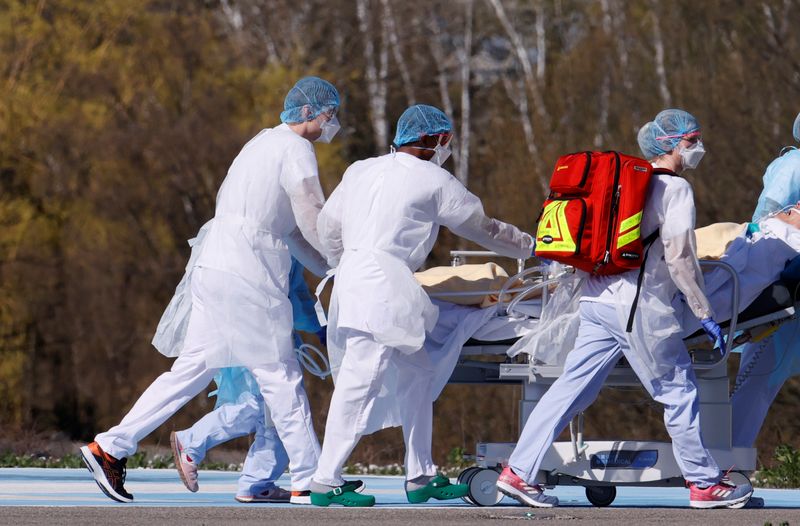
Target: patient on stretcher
[(758, 258)]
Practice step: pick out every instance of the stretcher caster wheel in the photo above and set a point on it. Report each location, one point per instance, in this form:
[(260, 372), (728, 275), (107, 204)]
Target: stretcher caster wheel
[(463, 477), (483, 487), (601, 496)]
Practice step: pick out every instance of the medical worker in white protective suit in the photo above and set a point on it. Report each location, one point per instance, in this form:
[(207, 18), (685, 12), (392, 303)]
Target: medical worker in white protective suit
[(379, 226), (767, 364), (240, 411), (654, 349), (239, 312)]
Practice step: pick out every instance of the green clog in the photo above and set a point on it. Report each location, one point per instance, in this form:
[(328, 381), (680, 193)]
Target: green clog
[(346, 495), (438, 488)]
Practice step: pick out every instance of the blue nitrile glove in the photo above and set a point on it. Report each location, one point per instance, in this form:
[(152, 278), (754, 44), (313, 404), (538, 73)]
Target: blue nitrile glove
[(322, 334), (714, 332)]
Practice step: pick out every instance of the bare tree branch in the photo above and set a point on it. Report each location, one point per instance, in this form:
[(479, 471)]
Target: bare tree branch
[(519, 97), (522, 55), (397, 52)]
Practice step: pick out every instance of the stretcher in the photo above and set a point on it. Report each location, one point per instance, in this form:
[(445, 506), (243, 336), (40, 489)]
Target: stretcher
[(602, 465)]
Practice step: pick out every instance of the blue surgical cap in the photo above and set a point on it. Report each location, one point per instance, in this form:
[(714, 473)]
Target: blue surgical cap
[(796, 128), (420, 120), (319, 94), (664, 133)]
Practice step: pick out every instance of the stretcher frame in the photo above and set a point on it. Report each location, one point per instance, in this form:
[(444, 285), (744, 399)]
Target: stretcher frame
[(603, 465)]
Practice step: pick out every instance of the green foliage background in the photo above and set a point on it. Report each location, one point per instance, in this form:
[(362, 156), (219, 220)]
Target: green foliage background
[(118, 121)]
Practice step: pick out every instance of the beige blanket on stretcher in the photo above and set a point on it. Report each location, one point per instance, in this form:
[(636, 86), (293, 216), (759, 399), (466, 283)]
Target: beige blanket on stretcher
[(464, 278), (712, 240)]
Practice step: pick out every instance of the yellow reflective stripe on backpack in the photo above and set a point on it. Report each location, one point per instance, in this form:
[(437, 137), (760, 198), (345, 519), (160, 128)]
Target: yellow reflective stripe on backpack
[(555, 227), (631, 236), (629, 223)]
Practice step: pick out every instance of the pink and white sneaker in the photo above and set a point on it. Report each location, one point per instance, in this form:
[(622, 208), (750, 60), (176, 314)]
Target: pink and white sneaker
[(186, 467), (721, 495), (512, 485)]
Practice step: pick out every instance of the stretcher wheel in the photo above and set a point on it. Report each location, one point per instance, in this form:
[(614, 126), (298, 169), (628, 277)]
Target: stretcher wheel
[(483, 487), (463, 478), (601, 496)]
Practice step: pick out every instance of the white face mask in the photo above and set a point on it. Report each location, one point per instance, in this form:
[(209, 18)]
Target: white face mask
[(329, 129), (440, 154), (690, 157)]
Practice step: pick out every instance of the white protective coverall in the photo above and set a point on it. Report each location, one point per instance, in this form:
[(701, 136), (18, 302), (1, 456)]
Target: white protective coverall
[(379, 225), (654, 348), (239, 313)]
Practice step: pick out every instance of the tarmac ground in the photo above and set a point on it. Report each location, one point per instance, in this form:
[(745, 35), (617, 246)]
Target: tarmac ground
[(69, 496)]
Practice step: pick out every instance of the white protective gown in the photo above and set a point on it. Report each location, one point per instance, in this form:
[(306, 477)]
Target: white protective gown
[(266, 206), (670, 208), (232, 308), (378, 227)]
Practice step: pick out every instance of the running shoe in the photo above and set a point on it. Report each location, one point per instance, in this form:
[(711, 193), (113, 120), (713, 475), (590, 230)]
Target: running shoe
[(186, 467), (720, 495), (512, 485), (300, 497), (108, 472), (271, 495)]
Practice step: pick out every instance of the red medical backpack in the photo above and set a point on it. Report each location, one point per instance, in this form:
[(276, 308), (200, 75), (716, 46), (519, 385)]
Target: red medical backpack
[(592, 218)]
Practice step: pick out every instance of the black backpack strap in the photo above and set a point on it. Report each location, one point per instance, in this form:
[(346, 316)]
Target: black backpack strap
[(648, 242)]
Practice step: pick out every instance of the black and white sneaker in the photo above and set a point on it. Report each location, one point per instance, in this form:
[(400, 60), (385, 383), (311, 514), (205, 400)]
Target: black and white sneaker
[(108, 472)]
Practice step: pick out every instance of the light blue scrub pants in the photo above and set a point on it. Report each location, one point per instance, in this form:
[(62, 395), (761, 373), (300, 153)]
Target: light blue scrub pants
[(266, 460), (598, 348), (763, 369)]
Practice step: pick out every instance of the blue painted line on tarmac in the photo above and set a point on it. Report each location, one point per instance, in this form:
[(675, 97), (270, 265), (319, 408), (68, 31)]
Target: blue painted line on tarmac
[(162, 487)]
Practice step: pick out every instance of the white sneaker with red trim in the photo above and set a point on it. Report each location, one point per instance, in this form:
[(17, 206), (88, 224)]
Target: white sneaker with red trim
[(721, 495), (512, 485), (187, 469)]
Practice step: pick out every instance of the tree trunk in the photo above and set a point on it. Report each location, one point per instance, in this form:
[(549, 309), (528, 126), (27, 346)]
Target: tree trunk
[(441, 74), (376, 79), (658, 44), (541, 42), (397, 52), (464, 58)]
